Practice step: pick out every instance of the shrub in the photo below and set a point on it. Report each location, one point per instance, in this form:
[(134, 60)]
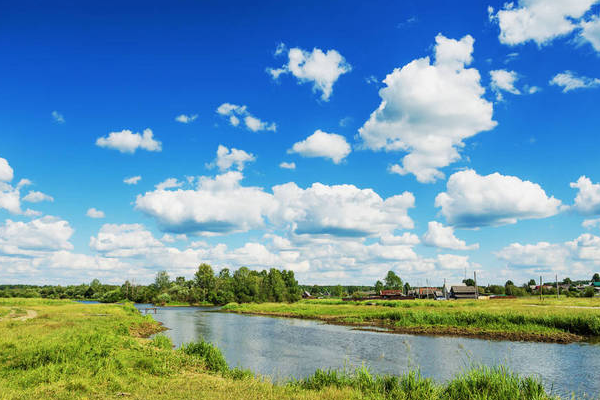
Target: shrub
[(162, 342), (211, 355), (588, 292)]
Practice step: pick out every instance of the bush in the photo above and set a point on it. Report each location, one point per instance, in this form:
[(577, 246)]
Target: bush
[(211, 355), (163, 298), (162, 342), (588, 292), (112, 297)]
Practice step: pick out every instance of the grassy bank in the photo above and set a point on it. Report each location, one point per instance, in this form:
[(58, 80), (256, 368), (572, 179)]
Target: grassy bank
[(70, 350), (550, 320)]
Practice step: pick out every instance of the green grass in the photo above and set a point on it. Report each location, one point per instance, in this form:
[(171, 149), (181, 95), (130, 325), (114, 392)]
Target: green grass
[(80, 351), (529, 319)]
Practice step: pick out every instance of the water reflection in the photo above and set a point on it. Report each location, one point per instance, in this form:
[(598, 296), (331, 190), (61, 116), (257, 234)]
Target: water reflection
[(283, 348)]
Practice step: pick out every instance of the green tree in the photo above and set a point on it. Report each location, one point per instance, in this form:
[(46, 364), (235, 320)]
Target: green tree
[(509, 283), (532, 282), (205, 280), (378, 286), (469, 282), (596, 277), (567, 281), (392, 281), (162, 281), (406, 288)]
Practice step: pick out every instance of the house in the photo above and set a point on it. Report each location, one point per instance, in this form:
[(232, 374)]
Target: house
[(463, 292), (426, 293), (391, 293), (306, 295)]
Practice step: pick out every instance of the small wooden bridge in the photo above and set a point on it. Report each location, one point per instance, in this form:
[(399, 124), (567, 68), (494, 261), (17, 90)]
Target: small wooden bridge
[(149, 309)]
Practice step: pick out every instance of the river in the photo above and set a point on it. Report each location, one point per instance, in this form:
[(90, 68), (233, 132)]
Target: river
[(284, 347)]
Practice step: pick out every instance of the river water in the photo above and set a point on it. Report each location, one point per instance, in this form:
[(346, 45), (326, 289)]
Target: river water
[(283, 347)]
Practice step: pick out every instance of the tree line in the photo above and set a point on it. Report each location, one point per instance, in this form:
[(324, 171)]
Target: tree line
[(206, 287)]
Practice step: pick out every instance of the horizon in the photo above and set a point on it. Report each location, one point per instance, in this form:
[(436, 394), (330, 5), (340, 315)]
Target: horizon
[(433, 141)]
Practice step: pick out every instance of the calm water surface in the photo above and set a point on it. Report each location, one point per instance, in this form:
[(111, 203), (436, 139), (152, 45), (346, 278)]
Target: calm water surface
[(283, 347)]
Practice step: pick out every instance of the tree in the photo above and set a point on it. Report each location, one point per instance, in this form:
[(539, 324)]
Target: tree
[(406, 288), (162, 281), (532, 282), (205, 280), (469, 282), (509, 283), (392, 281), (567, 281), (596, 277), (588, 292), (378, 286)]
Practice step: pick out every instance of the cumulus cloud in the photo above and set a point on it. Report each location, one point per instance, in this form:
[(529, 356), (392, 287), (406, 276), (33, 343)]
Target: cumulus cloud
[(441, 236), (287, 165), (168, 183), (125, 240), (473, 200), (503, 80), (591, 223), (587, 201), (237, 114), (186, 119), (455, 262), (128, 142), (540, 21), (428, 109), (43, 234), (93, 213), (570, 81), (591, 32), (340, 210), (6, 172), (322, 69), (219, 205), (227, 158), (10, 198), (58, 117), (323, 144), (37, 197), (132, 180)]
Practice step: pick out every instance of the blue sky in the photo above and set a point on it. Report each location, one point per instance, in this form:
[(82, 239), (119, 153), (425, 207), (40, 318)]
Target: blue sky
[(429, 138)]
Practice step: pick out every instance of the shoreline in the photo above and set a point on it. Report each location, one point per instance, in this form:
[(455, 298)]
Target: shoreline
[(431, 330)]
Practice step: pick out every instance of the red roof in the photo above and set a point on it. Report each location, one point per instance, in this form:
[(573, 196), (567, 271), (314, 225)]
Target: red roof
[(390, 292)]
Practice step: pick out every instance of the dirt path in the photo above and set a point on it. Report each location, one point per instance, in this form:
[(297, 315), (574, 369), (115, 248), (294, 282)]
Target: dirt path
[(30, 314)]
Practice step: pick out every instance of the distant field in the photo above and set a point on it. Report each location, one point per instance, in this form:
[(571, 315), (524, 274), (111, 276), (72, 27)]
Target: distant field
[(80, 351), (552, 320)]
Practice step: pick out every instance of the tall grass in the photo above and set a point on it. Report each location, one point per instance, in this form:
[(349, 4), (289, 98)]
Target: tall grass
[(73, 351)]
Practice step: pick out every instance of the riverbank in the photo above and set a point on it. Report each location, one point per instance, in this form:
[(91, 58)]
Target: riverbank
[(72, 350), (554, 321)]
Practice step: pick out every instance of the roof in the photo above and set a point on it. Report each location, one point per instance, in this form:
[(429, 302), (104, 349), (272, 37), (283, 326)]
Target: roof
[(390, 292), (596, 284), (464, 290)]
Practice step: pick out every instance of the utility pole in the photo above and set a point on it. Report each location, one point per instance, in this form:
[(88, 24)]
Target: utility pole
[(476, 288), (557, 287), (541, 288)]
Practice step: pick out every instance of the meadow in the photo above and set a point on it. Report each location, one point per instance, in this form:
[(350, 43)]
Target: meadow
[(549, 320), (70, 350)]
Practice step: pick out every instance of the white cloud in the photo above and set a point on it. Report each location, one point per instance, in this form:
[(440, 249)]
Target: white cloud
[(128, 142), (9, 198), (428, 109), (218, 205), (587, 201), (93, 213), (340, 210), (540, 21), (235, 112), (125, 240), (27, 238), (591, 32), (570, 81), (321, 68), (132, 180), (503, 80), (441, 236), (186, 119), (472, 200), (287, 165), (455, 262), (23, 182), (323, 144), (169, 183), (591, 223), (58, 117), (227, 158), (36, 197), (6, 172)]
